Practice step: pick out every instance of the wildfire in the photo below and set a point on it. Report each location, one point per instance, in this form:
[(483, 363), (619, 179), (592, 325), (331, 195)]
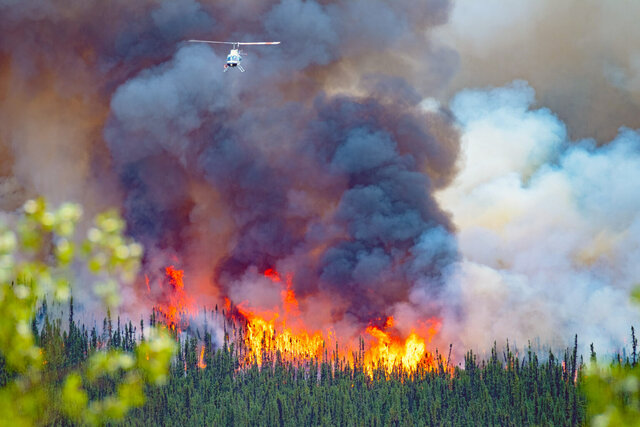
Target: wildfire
[(268, 333), (282, 330), (201, 362), (391, 352), (176, 304), (261, 338)]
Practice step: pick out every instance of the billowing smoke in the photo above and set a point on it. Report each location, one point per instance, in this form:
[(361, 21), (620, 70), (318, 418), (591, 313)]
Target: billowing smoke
[(59, 64), (331, 160), (548, 229), (228, 174), (334, 188)]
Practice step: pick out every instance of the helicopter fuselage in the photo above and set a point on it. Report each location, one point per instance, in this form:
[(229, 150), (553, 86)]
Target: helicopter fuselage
[(233, 58)]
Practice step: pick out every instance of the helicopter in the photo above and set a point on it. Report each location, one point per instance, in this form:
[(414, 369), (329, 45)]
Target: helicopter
[(235, 54)]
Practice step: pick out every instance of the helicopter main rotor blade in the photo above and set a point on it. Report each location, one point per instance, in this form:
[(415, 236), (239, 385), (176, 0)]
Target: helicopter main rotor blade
[(210, 41), (247, 43), (233, 43)]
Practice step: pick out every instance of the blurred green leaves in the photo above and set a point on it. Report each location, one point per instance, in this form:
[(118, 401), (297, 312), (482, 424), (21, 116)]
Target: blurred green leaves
[(614, 395), (149, 365), (613, 389), (41, 252)]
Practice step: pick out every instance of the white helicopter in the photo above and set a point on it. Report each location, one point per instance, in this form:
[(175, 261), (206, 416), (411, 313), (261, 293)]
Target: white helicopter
[(235, 54)]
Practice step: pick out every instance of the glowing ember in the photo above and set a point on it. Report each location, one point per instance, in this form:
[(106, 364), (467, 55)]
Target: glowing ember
[(272, 274)]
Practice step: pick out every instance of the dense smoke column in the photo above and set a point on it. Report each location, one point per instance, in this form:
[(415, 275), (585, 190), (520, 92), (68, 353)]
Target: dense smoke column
[(319, 158), (363, 156), (382, 225), (386, 210), (336, 187)]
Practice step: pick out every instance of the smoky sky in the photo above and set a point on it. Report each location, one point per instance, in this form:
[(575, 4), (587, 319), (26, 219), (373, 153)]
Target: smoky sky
[(580, 56), (330, 158), (363, 159), (338, 185)]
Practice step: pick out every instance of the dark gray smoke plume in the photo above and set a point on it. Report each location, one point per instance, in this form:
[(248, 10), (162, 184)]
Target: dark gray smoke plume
[(334, 186), (319, 160)]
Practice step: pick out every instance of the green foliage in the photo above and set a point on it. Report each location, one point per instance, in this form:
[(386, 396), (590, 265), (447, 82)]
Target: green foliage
[(614, 395), (38, 255), (613, 390), (105, 384), (503, 390)]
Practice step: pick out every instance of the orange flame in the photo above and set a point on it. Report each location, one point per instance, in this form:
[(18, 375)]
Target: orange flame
[(201, 362), (177, 304), (268, 333), (272, 274), (391, 352), (282, 331), (261, 338)]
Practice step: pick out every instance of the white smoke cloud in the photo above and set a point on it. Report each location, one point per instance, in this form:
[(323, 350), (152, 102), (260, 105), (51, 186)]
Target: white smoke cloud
[(548, 229)]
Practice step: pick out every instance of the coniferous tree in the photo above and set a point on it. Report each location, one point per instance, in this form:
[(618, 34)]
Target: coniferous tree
[(503, 389)]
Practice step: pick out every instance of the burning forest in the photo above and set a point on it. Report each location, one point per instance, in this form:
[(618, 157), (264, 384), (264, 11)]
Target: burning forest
[(259, 334), (373, 194), (395, 184)]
